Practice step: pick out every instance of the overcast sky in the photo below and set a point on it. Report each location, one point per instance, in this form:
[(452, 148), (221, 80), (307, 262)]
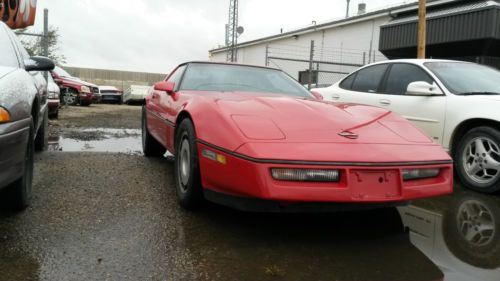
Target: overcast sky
[(156, 35)]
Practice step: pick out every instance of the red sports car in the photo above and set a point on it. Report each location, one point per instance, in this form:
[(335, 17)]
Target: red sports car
[(255, 139)]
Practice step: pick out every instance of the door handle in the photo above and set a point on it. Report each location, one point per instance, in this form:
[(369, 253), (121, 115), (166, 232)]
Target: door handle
[(335, 97), (385, 102)]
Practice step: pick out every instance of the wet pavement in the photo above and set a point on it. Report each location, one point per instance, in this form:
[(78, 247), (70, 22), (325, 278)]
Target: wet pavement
[(102, 211)]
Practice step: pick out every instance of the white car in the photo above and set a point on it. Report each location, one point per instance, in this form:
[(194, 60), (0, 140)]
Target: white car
[(456, 103), (136, 93)]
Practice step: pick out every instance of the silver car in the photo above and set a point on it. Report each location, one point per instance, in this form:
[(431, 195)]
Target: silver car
[(23, 117)]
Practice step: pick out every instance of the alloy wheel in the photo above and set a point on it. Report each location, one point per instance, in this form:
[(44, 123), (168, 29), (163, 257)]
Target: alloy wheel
[(476, 223), (481, 160)]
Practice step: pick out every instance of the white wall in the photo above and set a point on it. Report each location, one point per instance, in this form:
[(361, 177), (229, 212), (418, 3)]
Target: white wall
[(344, 44)]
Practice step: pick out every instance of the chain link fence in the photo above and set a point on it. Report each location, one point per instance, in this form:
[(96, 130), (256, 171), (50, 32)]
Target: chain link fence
[(318, 66)]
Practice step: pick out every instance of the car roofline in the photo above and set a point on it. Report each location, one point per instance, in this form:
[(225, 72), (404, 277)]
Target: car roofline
[(227, 63)]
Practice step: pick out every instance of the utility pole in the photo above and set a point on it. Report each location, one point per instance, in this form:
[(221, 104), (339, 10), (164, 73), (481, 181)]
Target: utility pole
[(347, 9), (421, 29), (45, 40)]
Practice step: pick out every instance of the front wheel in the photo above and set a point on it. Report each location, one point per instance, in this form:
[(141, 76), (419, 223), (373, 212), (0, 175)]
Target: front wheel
[(71, 97), (477, 159), (187, 169), (18, 194)]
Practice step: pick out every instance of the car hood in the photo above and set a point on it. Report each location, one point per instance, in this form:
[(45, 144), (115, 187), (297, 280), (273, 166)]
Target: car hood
[(4, 70), (286, 119), (75, 80)]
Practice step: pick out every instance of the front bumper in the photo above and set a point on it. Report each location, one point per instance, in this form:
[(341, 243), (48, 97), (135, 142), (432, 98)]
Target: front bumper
[(13, 142), (382, 183), (111, 98), (53, 105), (86, 97)]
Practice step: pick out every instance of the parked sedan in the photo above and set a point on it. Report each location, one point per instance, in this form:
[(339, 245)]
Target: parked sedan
[(254, 139), (455, 103), (110, 94), (23, 117), (53, 96)]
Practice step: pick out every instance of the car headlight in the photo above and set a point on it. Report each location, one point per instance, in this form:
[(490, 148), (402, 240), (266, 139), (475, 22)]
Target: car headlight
[(85, 89), (53, 96), (4, 115), (310, 175), (414, 174)]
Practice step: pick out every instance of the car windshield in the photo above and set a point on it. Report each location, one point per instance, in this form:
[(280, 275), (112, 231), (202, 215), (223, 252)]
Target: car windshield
[(465, 78), (230, 78), (61, 72)]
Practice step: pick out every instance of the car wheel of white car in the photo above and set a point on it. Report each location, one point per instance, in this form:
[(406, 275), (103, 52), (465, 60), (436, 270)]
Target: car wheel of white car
[(187, 169), (478, 159), (471, 229)]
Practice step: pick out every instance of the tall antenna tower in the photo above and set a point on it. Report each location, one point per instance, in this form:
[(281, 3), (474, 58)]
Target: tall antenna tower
[(232, 31)]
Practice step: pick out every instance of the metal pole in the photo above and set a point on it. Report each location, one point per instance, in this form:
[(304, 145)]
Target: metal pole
[(235, 23), (46, 32), (311, 58), (421, 29), (347, 10), (364, 58)]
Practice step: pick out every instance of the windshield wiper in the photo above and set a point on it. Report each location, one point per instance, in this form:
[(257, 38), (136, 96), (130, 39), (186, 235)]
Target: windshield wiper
[(479, 93)]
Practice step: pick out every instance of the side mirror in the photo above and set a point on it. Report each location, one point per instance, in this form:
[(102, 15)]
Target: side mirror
[(422, 88), (317, 95), (39, 64), (165, 87)]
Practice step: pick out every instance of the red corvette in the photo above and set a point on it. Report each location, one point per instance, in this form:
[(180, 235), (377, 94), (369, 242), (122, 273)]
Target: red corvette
[(255, 139)]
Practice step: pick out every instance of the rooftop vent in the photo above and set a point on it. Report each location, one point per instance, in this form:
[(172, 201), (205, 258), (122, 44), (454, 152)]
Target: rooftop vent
[(361, 8)]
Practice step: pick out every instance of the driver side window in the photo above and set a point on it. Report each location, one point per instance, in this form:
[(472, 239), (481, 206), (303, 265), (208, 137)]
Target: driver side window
[(177, 76), (401, 75)]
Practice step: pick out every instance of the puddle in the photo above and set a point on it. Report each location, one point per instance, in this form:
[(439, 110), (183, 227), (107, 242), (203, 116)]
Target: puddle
[(126, 141)]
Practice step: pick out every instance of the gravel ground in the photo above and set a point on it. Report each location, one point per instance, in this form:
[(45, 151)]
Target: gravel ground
[(102, 216)]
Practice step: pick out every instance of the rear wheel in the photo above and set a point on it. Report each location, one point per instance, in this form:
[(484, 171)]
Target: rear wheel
[(18, 194), (150, 146), (187, 169), (478, 159)]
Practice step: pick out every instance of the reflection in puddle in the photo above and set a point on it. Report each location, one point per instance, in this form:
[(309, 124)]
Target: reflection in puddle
[(461, 236), (126, 141)]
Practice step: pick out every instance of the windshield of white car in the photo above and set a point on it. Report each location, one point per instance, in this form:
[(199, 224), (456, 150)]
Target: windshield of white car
[(231, 78), (61, 72), (464, 78)]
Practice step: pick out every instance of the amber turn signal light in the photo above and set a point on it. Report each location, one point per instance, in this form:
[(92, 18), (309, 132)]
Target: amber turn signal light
[(4, 115)]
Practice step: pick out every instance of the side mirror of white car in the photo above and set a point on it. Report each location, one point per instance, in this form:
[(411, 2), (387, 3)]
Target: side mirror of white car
[(422, 88)]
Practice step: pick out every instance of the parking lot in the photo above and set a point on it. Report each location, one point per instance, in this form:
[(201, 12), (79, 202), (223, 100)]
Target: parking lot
[(113, 216)]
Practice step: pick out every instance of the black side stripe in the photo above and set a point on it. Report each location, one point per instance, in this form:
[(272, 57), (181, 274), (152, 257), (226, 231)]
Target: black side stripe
[(168, 122), (317, 163)]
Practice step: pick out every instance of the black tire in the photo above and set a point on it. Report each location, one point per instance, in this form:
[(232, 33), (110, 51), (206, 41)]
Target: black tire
[(18, 193), (150, 146), (42, 138), (73, 93), (187, 178), (479, 249), (54, 115), (490, 138)]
